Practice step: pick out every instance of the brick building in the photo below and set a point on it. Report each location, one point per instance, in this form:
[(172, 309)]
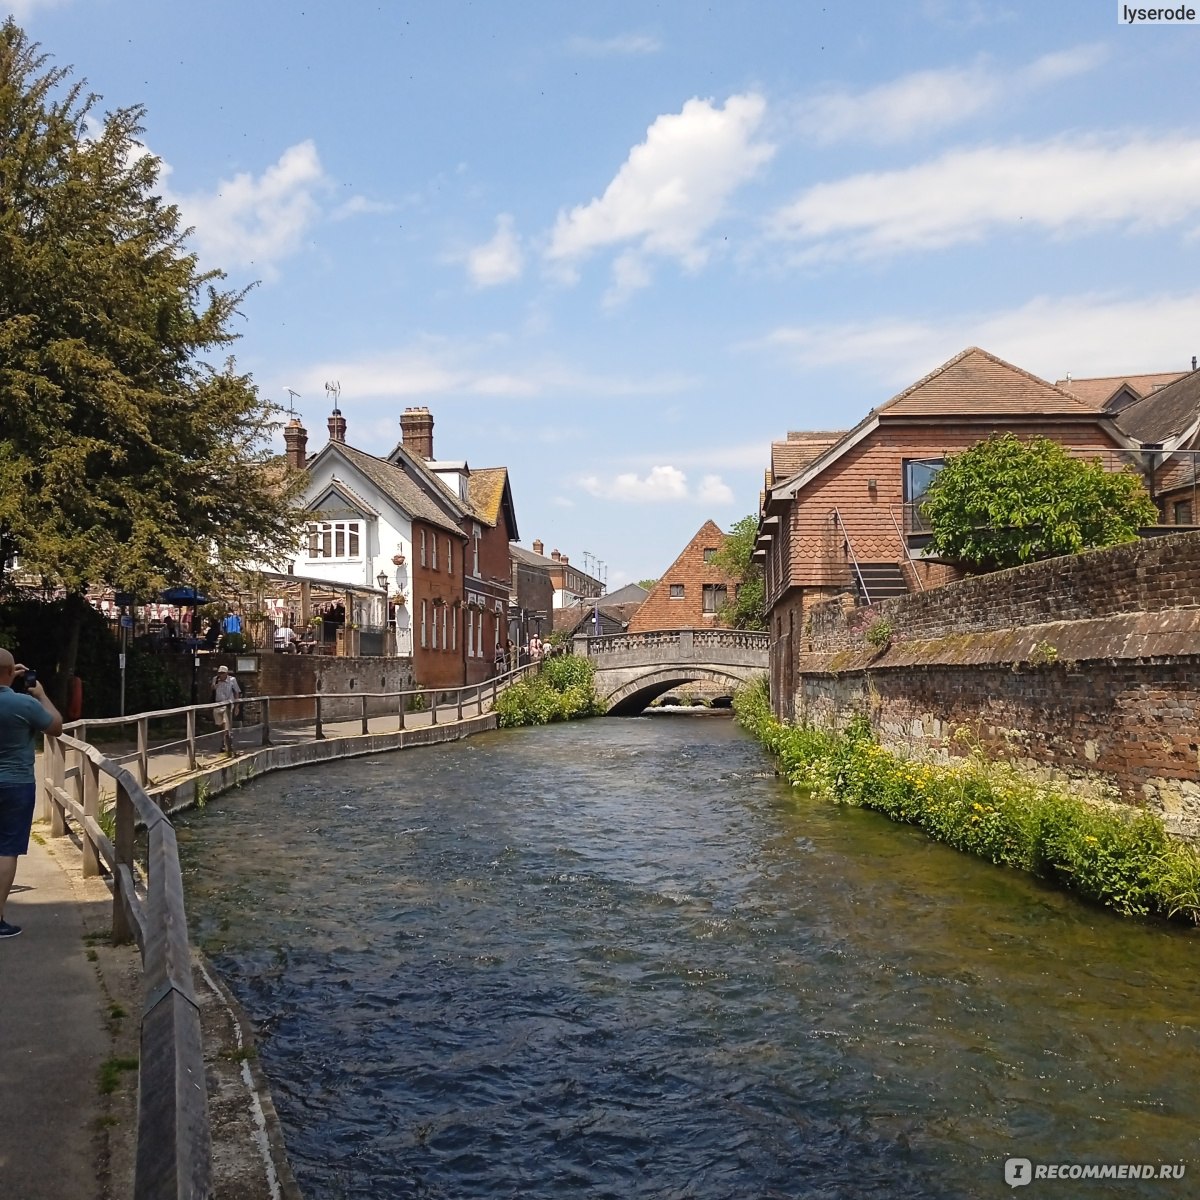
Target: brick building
[(692, 590), (847, 518)]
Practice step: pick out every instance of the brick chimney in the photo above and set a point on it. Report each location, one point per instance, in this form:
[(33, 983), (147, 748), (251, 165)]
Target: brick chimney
[(295, 437), (564, 560), (554, 554), (337, 426), (416, 429), (539, 547)]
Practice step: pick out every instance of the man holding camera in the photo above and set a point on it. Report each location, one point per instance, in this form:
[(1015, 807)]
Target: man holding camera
[(25, 711)]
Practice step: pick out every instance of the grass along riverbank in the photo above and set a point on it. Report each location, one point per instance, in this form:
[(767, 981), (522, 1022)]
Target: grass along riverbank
[(562, 690), (1126, 861)]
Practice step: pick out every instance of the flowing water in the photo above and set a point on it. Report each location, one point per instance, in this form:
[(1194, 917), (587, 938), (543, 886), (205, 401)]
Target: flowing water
[(618, 958)]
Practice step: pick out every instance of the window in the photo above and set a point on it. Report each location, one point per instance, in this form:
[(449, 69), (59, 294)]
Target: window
[(1183, 512), (433, 638), (677, 591), (445, 626), (709, 553), (454, 632), (424, 614), (433, 556), (335, 539), (919, 473), (449, 557), (423, 558), (714, 597), (470, 634), (475, 535)]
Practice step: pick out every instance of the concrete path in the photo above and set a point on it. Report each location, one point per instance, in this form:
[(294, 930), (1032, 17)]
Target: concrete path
[(54, 1034)]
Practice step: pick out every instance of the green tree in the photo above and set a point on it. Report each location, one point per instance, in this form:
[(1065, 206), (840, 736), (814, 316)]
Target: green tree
[(127, 458), (648, 584), (745, 609), (1005, 502)]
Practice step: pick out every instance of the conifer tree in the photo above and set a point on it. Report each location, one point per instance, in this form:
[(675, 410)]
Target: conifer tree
[(128, 456)]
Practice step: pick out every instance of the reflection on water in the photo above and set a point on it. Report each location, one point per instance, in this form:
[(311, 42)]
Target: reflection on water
[(620, 959)]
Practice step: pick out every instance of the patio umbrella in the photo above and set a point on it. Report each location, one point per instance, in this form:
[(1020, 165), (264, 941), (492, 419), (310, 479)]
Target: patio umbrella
[(186, 596)]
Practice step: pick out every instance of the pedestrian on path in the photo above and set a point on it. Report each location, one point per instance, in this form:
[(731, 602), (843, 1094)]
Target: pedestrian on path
[(23, 714), (226, 691)]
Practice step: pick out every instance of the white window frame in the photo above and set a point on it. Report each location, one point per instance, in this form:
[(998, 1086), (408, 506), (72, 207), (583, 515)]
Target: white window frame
[(433, 561), (423, 558), (323, 538), (424, 615), (475, 536), (449, 557)]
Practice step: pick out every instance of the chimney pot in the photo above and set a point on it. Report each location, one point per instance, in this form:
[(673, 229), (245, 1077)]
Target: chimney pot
[(416, 431), (539, 547), (564, 560), (337, 427), (554, 554)]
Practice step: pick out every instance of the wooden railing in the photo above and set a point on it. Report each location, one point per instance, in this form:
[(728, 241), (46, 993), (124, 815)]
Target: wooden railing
[(174, 1157)]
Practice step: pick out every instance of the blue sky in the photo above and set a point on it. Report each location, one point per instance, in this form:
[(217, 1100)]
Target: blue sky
[(619, 247)]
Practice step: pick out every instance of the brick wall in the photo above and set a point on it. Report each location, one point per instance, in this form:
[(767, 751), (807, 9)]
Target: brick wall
[(440, 666), (1084, 668), (691, 573)]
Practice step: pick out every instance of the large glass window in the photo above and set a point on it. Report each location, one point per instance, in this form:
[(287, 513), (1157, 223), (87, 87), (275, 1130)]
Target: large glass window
[(714, 597), (919, 473)]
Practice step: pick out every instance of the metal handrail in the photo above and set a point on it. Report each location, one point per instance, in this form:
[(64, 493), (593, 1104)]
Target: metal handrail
[(849, 546), (908, 558)]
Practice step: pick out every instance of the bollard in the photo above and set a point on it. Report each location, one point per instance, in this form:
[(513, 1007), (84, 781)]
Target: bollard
[(365, 725), (433, 707), (320, 731), (400, 712), (460, 700)]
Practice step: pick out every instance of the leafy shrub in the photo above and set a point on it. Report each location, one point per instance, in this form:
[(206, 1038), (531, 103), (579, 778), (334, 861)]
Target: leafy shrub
[(879, 635), (1122, 859), (562, 691)]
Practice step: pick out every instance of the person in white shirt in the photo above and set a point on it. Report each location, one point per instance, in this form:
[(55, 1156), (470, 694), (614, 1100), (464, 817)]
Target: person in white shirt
[(285, 639), (228, 692)]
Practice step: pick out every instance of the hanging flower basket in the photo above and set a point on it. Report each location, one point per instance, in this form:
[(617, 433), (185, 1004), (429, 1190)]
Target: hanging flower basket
[(438, 602), (400, 599), (398, 560)]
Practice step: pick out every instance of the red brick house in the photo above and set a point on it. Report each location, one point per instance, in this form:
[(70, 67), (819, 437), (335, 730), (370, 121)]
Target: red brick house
[(692, 590), (846, 519)]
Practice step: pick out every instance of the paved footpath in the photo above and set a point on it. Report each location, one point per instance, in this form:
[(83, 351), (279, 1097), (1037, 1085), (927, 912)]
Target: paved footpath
[(55, 1029)]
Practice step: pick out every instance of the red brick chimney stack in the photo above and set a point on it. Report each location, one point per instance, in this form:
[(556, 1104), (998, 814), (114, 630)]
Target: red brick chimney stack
[(564, 560), (337, 426), (539, 547), (554, 554), (416, 430), (295, 437)]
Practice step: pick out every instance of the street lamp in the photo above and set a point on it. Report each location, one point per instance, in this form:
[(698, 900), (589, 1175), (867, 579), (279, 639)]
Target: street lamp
[(382, 580)]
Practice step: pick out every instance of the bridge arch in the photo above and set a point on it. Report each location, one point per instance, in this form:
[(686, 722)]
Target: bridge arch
[(631, 698)]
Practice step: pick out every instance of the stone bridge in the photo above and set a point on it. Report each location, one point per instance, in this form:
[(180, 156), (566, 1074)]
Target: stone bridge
[(634, 668)]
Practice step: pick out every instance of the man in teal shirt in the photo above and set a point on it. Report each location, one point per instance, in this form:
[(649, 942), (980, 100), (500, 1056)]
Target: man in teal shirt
[(22, 717)]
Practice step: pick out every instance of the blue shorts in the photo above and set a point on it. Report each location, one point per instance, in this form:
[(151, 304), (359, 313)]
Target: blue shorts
[(16, 817)]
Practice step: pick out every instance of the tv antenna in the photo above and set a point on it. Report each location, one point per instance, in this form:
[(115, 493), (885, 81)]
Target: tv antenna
[(292, 397), (333, 391)]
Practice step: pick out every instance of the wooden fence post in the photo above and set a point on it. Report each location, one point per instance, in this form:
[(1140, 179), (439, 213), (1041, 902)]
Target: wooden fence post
[(91, 808), (123, 847), (365, 722), (400, 711), (433, 705), (266, 721), (56, 768), (320, 730), (191, 738), (143, 750), (460, 700)]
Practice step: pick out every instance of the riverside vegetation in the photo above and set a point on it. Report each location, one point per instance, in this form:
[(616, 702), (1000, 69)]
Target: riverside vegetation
[(1125, 860), (561, 691)]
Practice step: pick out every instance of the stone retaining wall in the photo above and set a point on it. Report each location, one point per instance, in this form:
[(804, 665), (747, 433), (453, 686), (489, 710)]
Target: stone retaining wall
[(1084, 669)]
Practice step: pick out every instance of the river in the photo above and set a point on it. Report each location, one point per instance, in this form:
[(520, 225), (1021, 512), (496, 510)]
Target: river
[(618, 958)]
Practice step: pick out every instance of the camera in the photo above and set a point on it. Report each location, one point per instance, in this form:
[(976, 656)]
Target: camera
[(23, 683)]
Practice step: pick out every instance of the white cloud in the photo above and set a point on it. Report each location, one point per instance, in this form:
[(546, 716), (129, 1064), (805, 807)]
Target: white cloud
[(630, 274), (746, 454), (661, 484), (442, 367), (358, 206), (622, 45), (671, 188), (255, 221), (925, 101), (1080, 335), (22, 10), (499, 260), (1061, 187)]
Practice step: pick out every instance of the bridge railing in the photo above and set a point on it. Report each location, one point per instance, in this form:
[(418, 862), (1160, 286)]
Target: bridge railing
[(108, 805), (697, 640)]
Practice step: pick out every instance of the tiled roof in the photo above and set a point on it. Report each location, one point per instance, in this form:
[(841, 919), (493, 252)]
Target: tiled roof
[(801, 447), (1094, 392), (976, 383), (406, 461), (1164, 414), (397, 486), (350, 494), (631, 593), (570, 619), (531, 559), (485, 487)]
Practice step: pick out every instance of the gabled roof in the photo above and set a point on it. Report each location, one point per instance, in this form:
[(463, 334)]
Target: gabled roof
[(570, 620), (530, 559), (800, 448), (348, 495), (1097, 392), (976, 383), (393, 483), (1164, 415), (972, 385), (403, 460), (631, 593), (491, 496)]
